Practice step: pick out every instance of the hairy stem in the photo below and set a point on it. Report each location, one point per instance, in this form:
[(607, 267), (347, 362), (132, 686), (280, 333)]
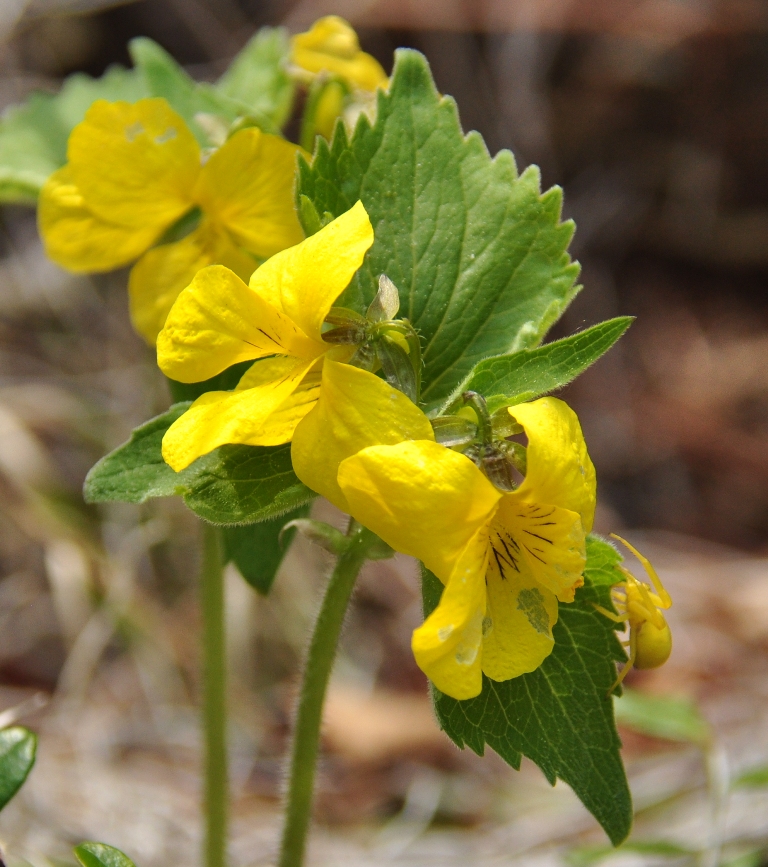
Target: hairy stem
[(216, 794), (319, 663)]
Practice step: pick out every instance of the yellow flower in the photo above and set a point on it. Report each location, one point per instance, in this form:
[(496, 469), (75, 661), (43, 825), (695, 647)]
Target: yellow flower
[(505, 557), (133, 171), (331, 45), (218, 321)]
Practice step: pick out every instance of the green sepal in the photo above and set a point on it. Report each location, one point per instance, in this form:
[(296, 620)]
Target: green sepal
[(530, 373), (559, 716), (101, 855), (479, 254), (258, 549), (258, 76), (17, 756), (233, 484)]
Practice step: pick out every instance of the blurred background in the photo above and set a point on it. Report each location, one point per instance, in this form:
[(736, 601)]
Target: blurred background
[(653, 117)]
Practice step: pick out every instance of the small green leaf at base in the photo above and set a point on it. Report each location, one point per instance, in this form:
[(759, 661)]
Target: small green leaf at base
[(17, 756), (560, 715), (101, 855), (231, 485), (258, 549), (530, 373)]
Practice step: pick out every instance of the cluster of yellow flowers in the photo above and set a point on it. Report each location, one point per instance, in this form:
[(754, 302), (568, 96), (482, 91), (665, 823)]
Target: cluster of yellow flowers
[(507, 554)]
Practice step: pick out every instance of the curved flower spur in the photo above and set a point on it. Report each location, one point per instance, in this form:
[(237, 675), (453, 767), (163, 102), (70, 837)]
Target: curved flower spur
[(136, 176)]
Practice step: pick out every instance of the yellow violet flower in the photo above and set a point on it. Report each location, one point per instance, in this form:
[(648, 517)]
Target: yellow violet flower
[(505, 557), (133, 171), (331, 45), (218, 321)]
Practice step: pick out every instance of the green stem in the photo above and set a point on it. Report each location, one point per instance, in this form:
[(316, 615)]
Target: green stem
[(322, 651), (216, 794)]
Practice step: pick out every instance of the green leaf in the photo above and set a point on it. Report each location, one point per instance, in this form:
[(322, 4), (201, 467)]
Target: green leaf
[(258, 76), (560, 715), (663, 716), (585, 856), (188, 97), (244, 484), (525, 375), (17, 755), (33, 136), (478, 254), (136, 472), (257, 549), (754, 778), (231, 485), (101, 855)]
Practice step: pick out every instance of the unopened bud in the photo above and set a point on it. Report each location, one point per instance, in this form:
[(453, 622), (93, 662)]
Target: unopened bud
[(386, 303)]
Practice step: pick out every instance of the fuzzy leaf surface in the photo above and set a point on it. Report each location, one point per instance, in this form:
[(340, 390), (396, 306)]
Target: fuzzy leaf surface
[(476, 251), (101, 855), (560, 716), (231, 485), (530, 373), (17, 755), (258, 76), (257, 549)]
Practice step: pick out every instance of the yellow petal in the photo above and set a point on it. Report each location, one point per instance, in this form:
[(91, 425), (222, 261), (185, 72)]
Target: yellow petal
[(356, 409), (560, 471), (135, 164), (448, 646), (248, 185), (280, 425), (221, 417), (520, 615), (77, 239), (421, 498), (217, 321), (543, 540), (331, 45), (304, 281), (158, 278)]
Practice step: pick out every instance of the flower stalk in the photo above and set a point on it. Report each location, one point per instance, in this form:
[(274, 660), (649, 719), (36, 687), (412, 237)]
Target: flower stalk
[(317, 671), (216, 778)]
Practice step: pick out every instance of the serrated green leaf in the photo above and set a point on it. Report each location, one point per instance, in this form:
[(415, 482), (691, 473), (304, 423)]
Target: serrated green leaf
[(478, 254), (245, 484), (33, 136), (17, 755), (101, 855), (560, 715), (231, 485), (136, 472), (663, 716), (258, 76), (528, 374), (257, 549)]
